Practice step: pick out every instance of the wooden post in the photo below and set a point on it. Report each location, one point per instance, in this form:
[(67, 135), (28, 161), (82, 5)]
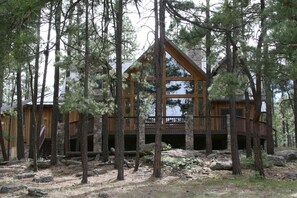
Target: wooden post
[(189, 129), (228, 132)]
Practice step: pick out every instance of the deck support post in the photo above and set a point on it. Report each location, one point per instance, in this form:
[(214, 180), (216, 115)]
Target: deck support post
[(189, 129), (141, 131), (97, 138), (228, 132)]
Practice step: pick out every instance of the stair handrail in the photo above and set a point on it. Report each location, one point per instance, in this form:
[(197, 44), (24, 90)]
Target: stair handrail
[(41, 137)]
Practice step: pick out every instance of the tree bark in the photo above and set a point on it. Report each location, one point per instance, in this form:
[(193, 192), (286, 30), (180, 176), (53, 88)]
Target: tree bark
[(2, 143), (46, 54), (295, 110), (208, 83), (105, 151), (20, 134), (248, 125), (55, 115), (270, 144), (231, 63), (105, 135), (119, 111), (84, 131), (159, 60)]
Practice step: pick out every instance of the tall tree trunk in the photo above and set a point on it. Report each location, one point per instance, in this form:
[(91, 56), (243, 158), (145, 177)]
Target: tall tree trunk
[(20, 134), (55, 115), (34, 94), (84, 132), (2, 143), (258, 102), (159, 61), (257, 147), (208, 82), (269, 134), (67, 91), (295, 110), (10, 126), (119, 111), (248, 125), (105, 150), (138, 89), (46, 53), (231, 63)]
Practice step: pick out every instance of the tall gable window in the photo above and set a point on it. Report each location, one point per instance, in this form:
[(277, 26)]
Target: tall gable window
[(174, 69)]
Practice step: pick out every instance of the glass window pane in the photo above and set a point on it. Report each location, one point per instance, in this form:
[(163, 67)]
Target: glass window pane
[(200, 87), (201, 106), (179, 87), (173, 68), (179, 106)]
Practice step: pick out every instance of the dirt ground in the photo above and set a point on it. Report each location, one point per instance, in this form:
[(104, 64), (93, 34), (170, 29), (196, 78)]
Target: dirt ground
[(136, 184)]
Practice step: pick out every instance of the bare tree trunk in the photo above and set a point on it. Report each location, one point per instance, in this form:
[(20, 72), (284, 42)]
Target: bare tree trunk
[(105, 18), (105, 152), (84, 132), (20, 134), (34, 92), (248, 125), (295, 110), (3, 149), (231, 63), (56, 114), (10, 127), (257, 147), (258, 102), (46, 54), (138, 88), (269, 134), (208, 82), (67, 114), (119, 111), (158, 60)]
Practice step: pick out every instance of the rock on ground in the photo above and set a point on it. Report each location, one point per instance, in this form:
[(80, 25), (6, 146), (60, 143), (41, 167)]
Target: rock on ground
[(289, 155), (9, 188)]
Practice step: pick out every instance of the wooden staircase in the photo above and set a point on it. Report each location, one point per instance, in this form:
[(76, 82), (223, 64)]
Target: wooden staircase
[(44, 144), (45, 149)]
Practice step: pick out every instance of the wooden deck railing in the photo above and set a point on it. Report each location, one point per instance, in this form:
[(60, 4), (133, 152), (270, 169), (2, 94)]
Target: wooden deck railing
[(172, 124), (218, 123), (241, 126)]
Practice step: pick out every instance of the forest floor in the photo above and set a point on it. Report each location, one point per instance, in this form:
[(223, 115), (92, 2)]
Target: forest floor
[(194, 182)]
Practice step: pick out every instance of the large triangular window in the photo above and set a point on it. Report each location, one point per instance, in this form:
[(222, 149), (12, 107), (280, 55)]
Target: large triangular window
[(174, 69)]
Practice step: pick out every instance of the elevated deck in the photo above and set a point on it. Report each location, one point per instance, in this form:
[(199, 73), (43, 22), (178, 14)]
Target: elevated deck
[(175, 125)]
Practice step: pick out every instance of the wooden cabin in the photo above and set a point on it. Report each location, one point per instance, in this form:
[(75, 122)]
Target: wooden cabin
[(9, 123), (184, 93)]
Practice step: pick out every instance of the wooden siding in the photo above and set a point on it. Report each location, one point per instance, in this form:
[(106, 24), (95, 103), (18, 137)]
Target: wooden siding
[(46, 121), (9, 129)]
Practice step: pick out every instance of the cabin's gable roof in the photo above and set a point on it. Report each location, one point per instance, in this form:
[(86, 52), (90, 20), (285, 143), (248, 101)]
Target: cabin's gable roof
[(184, 60), (181, 57)]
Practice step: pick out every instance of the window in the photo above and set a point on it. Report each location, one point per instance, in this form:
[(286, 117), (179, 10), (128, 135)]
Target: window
[(200, 87), (179, 87), (174, 69), (179, 106)]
